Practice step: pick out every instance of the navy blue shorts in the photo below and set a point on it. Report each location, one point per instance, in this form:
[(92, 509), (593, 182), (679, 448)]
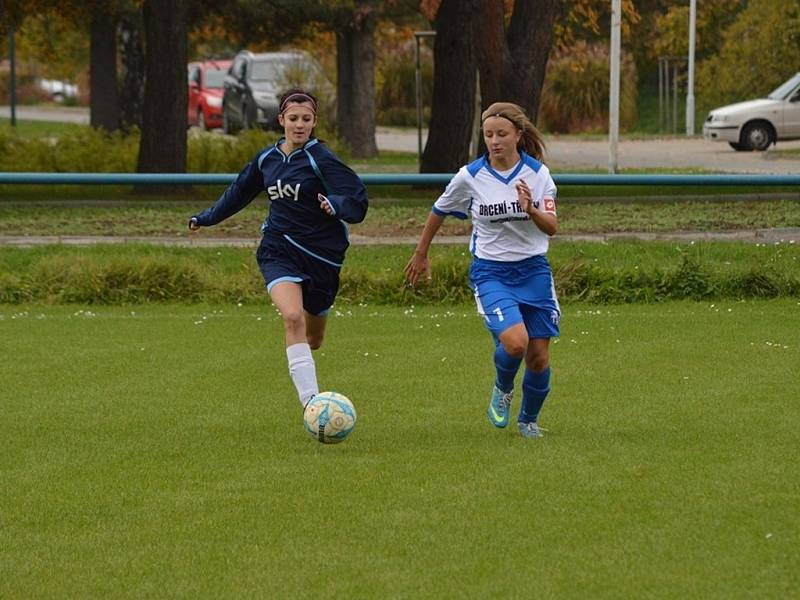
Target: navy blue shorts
[(279, 260)]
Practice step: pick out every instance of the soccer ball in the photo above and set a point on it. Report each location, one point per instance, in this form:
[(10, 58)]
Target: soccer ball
[(329, 417)]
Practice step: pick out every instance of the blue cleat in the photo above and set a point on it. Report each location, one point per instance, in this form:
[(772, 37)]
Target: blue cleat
[(530, 430), (499, 407)]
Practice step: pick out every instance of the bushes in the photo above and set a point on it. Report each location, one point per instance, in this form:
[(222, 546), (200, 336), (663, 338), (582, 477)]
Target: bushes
[(83, 150), (88, 150), (211, 153), (373, 275), (126, 278), (576, 90), (396, 102), (27, 91)]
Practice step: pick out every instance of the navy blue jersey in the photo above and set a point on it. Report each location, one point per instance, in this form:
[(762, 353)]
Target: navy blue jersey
[(292, 184)]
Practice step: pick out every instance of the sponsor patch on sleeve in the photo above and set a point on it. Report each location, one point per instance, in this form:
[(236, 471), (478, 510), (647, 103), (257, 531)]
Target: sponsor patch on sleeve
[(550, 205)]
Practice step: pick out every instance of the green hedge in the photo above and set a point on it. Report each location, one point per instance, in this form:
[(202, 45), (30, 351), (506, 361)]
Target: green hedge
[(88, 150), (598, 273)]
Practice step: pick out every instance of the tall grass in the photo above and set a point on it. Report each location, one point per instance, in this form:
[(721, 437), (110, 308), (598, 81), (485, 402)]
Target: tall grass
[(619, 272), (575, 93)]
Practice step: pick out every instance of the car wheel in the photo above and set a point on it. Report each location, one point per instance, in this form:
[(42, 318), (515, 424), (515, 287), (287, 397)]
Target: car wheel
[(736, 146), (201, 120), (226, 122), (757, 136)]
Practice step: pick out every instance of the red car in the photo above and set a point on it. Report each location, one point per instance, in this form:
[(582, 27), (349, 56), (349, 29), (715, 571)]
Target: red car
[(205, 92)]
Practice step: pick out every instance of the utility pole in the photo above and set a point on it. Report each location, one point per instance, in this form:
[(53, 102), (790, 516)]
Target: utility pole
[(690, 83), (418, 80), (12, 88), (613, 96)]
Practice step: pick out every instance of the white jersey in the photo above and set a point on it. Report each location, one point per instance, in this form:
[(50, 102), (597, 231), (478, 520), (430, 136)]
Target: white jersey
[(501, 230)]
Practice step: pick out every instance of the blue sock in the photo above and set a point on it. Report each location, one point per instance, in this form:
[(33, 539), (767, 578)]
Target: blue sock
[(507, 367), (535, 387)]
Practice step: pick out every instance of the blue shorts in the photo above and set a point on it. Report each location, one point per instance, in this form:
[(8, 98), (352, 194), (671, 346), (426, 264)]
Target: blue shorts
[(517, 292), (279, 261)]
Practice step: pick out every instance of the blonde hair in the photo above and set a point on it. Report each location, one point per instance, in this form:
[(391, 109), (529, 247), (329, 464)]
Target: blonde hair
[(531, 140)]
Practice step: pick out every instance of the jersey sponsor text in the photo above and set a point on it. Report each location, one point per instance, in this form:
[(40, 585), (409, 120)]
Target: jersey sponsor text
[(279, 190)]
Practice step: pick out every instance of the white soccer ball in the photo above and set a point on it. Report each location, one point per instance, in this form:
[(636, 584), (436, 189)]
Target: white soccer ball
[(329, 417)]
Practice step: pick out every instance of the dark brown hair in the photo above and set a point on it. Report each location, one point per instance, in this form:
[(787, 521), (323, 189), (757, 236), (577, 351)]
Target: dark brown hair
[(297, 96)]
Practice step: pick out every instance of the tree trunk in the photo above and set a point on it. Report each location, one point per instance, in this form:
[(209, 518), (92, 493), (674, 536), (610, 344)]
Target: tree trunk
[(355, 86), (493, 54), (104, 96), (129, 36), (455, 66), (163, 144), (513, 63)]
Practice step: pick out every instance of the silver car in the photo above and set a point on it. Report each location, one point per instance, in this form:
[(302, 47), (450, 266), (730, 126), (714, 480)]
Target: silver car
[(756, 124), (255, 82)]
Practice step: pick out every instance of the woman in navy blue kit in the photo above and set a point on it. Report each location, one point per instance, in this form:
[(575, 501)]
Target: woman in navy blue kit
[(312, 196)]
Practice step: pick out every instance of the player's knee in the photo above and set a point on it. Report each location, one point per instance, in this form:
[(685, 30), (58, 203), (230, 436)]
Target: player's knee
[(515, 347), (315, 341), (537, 362), (294, 319)]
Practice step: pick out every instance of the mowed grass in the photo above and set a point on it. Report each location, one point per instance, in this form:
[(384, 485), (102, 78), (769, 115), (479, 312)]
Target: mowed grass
[(390, 216), (158, 451), (35, 129)]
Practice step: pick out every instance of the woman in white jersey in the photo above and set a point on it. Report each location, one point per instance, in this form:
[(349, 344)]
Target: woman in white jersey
[(511, 198)]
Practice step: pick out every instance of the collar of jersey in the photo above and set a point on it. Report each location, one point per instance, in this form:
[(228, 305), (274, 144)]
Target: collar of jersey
[(497, 175), (303, 148)]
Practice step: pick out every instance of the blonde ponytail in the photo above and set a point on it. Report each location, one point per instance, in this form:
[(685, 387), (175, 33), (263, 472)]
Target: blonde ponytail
[(531, 140)]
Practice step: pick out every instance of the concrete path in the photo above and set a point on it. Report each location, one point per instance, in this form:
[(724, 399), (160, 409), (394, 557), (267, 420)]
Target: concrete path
[(565, 153), (56, 114)]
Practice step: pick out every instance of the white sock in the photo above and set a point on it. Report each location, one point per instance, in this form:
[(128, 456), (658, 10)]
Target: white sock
[(302, 371)]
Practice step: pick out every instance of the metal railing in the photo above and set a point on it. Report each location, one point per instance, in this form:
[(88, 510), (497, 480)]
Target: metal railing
[(420, 179)]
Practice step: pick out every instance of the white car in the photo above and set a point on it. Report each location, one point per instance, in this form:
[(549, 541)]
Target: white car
[(756, 124), (59, 90)]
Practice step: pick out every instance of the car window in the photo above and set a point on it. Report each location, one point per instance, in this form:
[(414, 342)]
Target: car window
[(264, 70), (238, 68), (288, 72), (214, 78), (781, 92)]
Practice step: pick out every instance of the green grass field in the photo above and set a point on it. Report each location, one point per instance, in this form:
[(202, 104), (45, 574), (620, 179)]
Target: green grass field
[(35, 129), (389, 216), (158, 451)]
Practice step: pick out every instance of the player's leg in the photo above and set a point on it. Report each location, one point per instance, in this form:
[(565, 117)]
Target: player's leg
[(504, 321), (541, 325), (507, 360), (535, 386), (319, 295), (315, 329), (288, 299)]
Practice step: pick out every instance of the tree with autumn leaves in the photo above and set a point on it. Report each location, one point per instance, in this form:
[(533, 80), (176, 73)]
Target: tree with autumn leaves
[(139, 48)]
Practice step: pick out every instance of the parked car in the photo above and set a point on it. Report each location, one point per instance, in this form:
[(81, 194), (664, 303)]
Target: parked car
[(756, 124), (59, 90), (205, 92), (255, 82)]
